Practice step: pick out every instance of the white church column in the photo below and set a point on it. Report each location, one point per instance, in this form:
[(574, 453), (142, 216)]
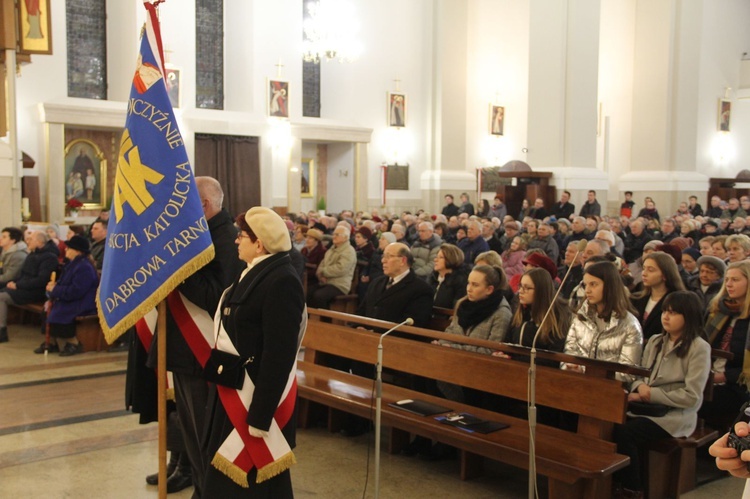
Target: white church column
[(665, 103), (563, 93), (448, 110)]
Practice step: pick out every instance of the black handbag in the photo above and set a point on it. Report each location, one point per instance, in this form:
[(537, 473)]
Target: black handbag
[(225, 369), (646, 409)]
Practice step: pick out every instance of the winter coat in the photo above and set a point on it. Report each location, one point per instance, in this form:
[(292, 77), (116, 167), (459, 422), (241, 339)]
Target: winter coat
[(676, 382), (621, 339), (513, 262), (338, 266), (31, 283), (494, 328), (11, 262), (424, 253), (74, 294), (452, 289)]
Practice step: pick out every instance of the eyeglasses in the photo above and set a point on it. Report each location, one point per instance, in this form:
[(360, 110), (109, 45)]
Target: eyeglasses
[(240, 235), (525, 289)]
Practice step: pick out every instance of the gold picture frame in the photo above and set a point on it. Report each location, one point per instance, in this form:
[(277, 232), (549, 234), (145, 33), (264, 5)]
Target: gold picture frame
[(34, 27), (725, 115), (497, 120), (85, 175), (307, 178), (396, 110)]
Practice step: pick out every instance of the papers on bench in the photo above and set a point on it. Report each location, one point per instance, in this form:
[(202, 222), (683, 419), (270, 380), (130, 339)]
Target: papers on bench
[(470, 423), (420, 407)]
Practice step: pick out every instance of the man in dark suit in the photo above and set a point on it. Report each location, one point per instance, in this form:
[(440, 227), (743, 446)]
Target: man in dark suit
[(399, 294), (396, 296), (564, 208), (204, 289)]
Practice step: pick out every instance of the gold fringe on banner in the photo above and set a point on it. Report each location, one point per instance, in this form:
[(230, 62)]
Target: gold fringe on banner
[(199, 261)]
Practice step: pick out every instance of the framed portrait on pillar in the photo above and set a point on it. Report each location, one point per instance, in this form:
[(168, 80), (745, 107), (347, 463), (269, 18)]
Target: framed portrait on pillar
[(396, 109), (725, 115), (497, 120), (278, 98)]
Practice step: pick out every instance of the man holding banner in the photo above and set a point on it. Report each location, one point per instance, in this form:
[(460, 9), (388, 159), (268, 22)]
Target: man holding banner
[(203, 289), (158, 235)]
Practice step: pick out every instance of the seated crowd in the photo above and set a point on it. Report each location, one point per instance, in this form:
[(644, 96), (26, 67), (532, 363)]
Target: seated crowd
[(637, 288), (39, 267), (641, 288)]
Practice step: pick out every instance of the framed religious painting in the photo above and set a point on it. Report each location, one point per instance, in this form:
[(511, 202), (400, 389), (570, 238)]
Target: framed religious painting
[(278, 98), (307, 177), (497, 120), (34, 27), (85, 174), (725, 115), (397, 109), (172, 81)]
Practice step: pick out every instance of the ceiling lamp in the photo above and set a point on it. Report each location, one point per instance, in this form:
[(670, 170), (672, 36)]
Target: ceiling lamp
[(330, 32)]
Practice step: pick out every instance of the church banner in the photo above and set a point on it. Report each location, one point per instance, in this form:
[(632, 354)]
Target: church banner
[(157, 234)]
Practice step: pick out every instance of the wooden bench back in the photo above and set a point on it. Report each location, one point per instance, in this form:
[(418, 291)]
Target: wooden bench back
[(595, 398)]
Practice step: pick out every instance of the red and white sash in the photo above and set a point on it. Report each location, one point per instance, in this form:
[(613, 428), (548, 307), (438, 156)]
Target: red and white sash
[(240, 452), (145, 328)]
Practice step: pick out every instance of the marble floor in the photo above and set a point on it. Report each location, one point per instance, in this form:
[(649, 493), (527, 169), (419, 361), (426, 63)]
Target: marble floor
[(64, 433)]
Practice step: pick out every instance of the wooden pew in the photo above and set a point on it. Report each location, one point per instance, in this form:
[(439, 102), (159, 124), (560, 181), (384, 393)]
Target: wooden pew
[(578, 464), (88, 329)]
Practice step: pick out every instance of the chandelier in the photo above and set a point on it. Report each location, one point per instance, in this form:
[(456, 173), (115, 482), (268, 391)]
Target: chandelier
[(330, 32)]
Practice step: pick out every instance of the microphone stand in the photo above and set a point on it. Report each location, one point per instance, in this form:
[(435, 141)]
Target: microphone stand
[(532, 387), (379, 400)]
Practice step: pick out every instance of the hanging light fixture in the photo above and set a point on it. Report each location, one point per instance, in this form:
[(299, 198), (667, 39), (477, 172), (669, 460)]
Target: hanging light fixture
[(330, 32)]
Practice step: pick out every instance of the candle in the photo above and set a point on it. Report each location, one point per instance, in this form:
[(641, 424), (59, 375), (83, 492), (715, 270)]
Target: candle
[(25, 207)]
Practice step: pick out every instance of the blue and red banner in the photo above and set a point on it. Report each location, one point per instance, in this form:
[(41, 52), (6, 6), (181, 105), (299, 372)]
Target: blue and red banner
[(157, 234)]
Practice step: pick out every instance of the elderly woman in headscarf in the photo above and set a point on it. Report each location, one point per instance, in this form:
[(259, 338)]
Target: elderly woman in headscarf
[(73, 295), (260, 321)]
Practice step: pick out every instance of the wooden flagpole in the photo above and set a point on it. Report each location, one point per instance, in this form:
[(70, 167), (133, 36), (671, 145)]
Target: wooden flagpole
[(161, 368)]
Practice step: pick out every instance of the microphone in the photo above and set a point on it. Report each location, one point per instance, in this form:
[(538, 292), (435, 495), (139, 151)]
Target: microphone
[(379, 400), (407, 322), (581, 246)]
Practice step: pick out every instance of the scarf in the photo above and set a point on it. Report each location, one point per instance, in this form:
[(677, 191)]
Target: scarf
[(471, 313), (717, 322)]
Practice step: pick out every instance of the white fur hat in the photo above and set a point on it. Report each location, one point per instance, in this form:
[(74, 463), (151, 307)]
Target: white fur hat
[(270, 229)]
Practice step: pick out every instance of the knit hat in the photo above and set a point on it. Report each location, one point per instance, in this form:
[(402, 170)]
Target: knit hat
[(365, 232), (682, 242), (715, 262), (79, 243), (319, 226), (389, 236), (541, 261), (693, 252), (564, 221), (671, 250), (711, 222), (315, 234), (270, 229)]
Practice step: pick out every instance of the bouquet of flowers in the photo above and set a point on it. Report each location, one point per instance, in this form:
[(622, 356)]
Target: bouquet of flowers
[(72, 206)]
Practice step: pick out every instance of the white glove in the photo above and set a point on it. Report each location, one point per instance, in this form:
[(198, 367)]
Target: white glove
[(255, 432)]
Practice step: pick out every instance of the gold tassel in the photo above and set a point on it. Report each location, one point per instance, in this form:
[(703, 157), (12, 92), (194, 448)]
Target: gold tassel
[(279, 466), (110, 335), (227, 467)]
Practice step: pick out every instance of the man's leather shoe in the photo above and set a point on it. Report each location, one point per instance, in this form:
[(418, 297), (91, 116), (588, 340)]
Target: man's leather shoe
[(178, 481), (174, 459)]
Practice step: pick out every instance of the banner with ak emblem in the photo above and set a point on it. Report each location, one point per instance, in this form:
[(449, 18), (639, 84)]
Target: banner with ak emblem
[(157, 234)]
